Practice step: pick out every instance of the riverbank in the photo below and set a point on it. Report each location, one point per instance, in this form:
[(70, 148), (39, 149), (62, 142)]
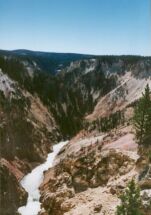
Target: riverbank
[(32, 181)]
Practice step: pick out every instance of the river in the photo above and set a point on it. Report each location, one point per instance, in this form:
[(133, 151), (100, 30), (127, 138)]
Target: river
[(32, 181)]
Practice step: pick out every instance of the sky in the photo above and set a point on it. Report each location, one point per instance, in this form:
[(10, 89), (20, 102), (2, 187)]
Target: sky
[(101, 27)]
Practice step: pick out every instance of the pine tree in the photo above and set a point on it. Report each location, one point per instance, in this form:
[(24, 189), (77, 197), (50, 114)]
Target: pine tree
[(130, 201), (142, 118)]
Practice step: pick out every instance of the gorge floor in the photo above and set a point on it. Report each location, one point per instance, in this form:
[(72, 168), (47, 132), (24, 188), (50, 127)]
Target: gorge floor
[(32, 181)]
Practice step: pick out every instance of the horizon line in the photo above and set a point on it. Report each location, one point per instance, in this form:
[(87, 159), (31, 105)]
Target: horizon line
[(78, 53)]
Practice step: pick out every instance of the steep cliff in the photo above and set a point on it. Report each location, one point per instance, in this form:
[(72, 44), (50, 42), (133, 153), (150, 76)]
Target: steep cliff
[(27, 132)]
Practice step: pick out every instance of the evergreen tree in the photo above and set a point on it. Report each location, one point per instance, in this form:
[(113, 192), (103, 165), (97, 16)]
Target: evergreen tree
[(142, 118), (130, 201)]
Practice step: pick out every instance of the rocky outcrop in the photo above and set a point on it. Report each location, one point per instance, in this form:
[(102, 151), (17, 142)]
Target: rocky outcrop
[(80, 169), (145, 178), (144, 181), (146, 201)]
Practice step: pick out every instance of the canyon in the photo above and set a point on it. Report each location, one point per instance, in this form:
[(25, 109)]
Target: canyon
[(46, 98)]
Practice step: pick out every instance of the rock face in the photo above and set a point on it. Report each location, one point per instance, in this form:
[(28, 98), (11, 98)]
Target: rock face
[(144, 181), (146, 200), (81, 170), (27, 132), (145, 178), (129, 90), (12, 194)]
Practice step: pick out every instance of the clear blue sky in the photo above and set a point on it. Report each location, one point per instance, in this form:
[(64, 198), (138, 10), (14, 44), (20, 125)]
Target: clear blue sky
[(81, 26)]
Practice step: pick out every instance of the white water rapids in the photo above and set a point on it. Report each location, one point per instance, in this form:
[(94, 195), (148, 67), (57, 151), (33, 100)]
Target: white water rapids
[(32, 181)]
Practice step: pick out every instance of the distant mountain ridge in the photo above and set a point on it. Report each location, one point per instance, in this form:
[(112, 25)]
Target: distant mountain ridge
[(50, 62)]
